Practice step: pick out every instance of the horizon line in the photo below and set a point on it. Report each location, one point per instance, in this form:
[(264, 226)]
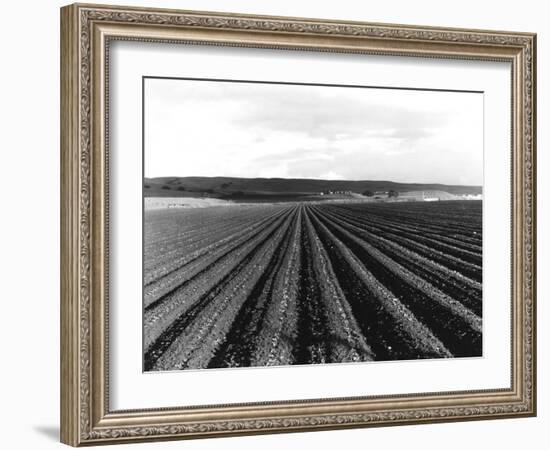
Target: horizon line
[(313, 179)]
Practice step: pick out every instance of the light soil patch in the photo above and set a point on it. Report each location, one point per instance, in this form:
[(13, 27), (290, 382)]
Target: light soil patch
[(152, 203)]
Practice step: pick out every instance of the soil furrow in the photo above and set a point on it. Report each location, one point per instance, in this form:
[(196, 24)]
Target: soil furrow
[(457, 327)]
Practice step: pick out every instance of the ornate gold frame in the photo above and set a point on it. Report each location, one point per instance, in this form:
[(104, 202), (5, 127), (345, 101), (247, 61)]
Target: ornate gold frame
[(86, 31)]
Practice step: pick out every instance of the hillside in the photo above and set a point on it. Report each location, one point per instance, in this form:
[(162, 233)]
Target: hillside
[(281, 189)]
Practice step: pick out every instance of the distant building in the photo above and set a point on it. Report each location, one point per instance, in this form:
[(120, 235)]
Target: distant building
[(429, 199), (330, 192), (472, 196)]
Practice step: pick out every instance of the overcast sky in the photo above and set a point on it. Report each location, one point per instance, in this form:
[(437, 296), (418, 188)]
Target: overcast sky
[(209, 128)]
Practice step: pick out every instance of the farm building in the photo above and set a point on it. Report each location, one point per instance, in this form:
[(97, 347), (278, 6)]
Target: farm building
[(428, 198), (330, 192)]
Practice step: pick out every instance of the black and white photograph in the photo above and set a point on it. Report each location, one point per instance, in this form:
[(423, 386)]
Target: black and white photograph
[(296, 224)]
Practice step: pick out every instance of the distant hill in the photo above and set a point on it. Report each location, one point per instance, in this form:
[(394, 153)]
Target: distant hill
[(282, 189)]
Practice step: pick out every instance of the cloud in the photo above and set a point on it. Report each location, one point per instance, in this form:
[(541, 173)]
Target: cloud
[(331, 175), (272, 130), (291, 155), (329, 113), (333, 117)]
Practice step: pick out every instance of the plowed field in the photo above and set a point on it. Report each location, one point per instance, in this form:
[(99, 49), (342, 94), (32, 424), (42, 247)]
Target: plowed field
[(259, 285)]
